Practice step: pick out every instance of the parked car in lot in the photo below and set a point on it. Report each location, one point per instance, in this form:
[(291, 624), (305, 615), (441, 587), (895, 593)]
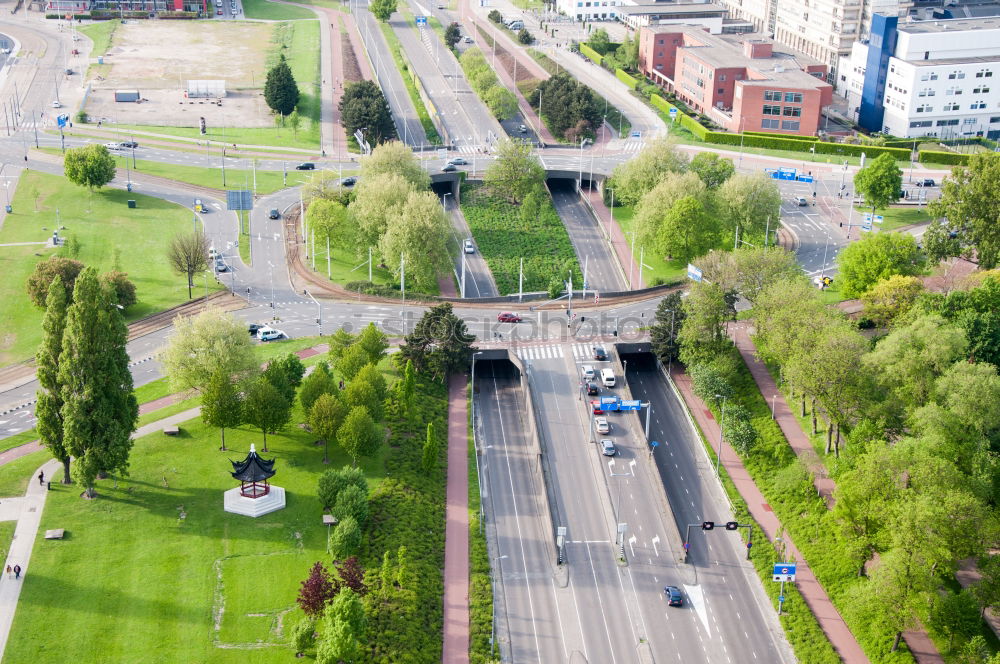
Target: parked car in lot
[(468, 40), (608, 447), (274, 214), (674, 596), (602, 425), (600, 354), (306, 166), (508, 317), (593, 389), (469, 247), (269, 334)]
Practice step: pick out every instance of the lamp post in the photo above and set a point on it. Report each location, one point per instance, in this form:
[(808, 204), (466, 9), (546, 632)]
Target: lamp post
[(579, 184), (722, 420)]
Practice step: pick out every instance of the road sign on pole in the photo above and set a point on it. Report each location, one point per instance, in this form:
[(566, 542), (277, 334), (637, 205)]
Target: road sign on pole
[(694, 274), (673, 115), (784, 572), (421, 20), (630, 405)]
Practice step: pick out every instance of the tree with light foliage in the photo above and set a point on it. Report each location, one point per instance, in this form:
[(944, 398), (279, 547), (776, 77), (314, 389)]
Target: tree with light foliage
[(419, 234), (750, 204), (206, 345), (875, 257), (515, 170), (891, 298), (632, 179), (395, 157)]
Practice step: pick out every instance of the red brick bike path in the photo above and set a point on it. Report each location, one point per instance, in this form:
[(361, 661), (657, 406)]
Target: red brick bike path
[(456, 531)]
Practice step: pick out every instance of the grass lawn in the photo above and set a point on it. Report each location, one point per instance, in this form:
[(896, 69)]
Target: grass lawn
[(411, 87), (14, 476), (101, 33), (658, 268), (342, 264), (306, 139), (896, 217), (102, 223), (18, 439), (503, 238), (274, 11), (6, 536)]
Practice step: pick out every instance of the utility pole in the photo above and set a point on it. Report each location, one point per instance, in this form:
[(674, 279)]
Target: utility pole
[(520, 281)]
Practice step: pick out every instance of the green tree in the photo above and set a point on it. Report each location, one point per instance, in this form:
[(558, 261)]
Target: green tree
[(359, 435), (565, 103), (755, 268), (382, 9), (221, 404), (495, 16), (971, 393), (515, 171), (304, 634), (418, 234), (375, 343), (363, 106), (749, 203), (864, 495), (339, 341), (316, 384), (651, 225), (48, 409), (280, 90), (333, 481), (738, 430), (325, 418), (880, 181), (524, 37), (631, 180), (188, 256), (46, 271), (345, 538), (975, 310), (205, 345), (709, 384), (291, 368), (599, 41), (123, 289), (351, 361), (668, 320), (439, 343), (353, 502), (967, 212), (890, 298), (330, 222), (987, 589), (703, 336), (955, 614), (875, 257), (501, 102), (378, 202), (91, 166), (712, 169), (892, 596), (432, 449), (686, 231), (295, 121), (406, 389), (99, 407), (452, 34), (371, 376), (360, 393), (265, 407), (396, 158)]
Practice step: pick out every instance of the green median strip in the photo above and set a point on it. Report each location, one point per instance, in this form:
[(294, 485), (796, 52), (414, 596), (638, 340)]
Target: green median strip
[(407, 74)]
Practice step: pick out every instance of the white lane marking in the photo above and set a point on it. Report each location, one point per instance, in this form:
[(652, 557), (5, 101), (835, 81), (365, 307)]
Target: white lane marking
[(697, 600), (600, 601), (656, 540)]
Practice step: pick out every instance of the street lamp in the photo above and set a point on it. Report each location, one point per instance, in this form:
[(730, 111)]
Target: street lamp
[(722, 421)]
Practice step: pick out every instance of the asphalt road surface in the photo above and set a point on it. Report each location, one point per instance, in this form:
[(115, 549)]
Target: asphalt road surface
[(588, 238)]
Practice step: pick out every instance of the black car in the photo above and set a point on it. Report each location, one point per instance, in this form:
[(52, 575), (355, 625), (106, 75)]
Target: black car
[(600, 354), (926, 182), (274, 214), (253, 327), (593, 389), (306, 166), (349, 182), (674, 596), (449, 168), (129, 144)]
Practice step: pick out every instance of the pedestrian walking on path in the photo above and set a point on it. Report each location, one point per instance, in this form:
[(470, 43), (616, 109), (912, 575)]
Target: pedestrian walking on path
[(17, 572), (9, 571), (41, 478)]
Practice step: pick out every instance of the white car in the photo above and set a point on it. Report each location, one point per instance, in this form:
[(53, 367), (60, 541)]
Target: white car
[(469, 247), (588, 372), (112, 146), (269, 334), (602, 425), (56, 104)]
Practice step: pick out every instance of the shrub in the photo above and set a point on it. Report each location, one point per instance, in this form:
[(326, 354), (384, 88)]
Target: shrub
[(936, 157), (524, 37), (627, 79), (335, 480), (591, 53), (352, 501), (495, 16), (345, 538)]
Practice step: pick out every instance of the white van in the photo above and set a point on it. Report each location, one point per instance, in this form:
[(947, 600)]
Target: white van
[(608, 377)]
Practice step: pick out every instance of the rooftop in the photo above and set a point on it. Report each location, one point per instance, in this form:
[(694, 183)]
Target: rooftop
[(684, 10), (950, 25)]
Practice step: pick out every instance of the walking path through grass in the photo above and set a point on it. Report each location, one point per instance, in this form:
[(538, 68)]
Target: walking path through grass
[(456, 530)]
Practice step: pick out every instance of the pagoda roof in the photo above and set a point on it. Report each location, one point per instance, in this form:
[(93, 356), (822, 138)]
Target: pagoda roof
[(253, 468)]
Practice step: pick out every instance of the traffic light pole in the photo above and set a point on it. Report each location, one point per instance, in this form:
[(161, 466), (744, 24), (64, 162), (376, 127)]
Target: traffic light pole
[(710, 525)]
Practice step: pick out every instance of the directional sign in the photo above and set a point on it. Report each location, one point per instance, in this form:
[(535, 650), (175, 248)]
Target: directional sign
[(61, 120), (673, 115), (694, 274), (610, 403), (784, 572), (804, 178), (421, 20), (653, 443), (637, 134), (866, 225), (786, 173), (239, 200), (630, 405), (878, 219)]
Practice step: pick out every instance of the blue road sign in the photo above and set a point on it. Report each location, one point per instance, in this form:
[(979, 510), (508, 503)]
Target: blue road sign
[(239, 200), (653, 443), (694, 274), (784, 572), (421, 20), (610, 403), (786, 173), (781, 598), (636, 134), (630, 405), (61, 120), (804, 178), (673, 114)]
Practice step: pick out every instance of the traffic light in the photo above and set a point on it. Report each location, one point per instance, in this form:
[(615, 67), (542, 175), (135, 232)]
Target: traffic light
[(707, 525), (583, 319), (732, 525), (202, 125)]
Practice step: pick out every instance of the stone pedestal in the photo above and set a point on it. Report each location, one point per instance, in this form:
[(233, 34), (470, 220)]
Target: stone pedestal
[(238, 504)]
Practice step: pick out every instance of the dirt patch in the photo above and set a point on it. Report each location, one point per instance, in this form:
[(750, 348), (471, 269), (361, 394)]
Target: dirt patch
[(352, 70), (159, 57)]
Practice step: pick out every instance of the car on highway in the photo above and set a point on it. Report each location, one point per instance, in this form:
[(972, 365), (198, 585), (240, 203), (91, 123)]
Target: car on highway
[(56, 104), (523, 129), (220, 265), (449, 168), (129, 144), (306, 166), (508, 317), (469, 247), (595, 407), (458, 161), (592, 389), (213, 253), (600, 354), (602, 425), (801, 201), (254, 327), (588, 372), (468, 40), (608, 447), (218, 12), (113, 146), (926, 182), (349, 181), (267, 333), (274, 214), (674, 596)]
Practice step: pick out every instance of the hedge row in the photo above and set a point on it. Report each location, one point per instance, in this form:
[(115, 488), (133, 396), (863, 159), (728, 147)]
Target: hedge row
[(938, 157), (591, 53), (686, 120), (627, 79), (794, 137)]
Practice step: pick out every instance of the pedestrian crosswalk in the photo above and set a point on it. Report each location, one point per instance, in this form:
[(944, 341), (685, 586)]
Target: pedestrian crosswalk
[(632, 146), (555, 351)]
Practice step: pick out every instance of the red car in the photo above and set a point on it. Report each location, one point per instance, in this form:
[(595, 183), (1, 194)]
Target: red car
[(508, 317), (595, 407)]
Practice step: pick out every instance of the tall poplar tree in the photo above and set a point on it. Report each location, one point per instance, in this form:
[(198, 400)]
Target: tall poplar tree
[(50, 402), (99, 407), (221, 404)]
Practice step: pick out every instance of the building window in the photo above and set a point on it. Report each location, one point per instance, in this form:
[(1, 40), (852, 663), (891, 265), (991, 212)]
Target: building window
[(994, 120), (978, 104), (925, 108), (981, 90), (921, 123), (772, 95), (659, 66), (947, 123), (722, 91), (793, 111), (660, 41), (951, 107), (790, 125), (984, 73), (969, 121), (927, 92), (793, 97), (769, 124), (722, 77), (956, 74), (770, 109)]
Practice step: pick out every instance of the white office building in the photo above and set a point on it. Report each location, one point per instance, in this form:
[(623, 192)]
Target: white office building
[(926, 78)]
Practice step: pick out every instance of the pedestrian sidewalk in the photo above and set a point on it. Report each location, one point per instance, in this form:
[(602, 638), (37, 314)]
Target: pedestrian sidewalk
[(919, 643), (830, 620), (456, 533)]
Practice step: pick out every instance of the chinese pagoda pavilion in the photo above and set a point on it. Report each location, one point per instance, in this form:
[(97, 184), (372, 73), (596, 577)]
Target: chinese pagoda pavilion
[(255, 496)]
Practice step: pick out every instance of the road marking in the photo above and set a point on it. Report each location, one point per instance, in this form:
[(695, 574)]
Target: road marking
[(655, 541), (697, 600), (600, 601)]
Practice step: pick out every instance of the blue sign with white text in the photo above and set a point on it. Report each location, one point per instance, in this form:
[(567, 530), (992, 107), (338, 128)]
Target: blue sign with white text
[(630, 405)]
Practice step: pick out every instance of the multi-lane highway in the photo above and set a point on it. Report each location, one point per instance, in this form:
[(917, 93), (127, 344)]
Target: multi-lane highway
[(593, 251)]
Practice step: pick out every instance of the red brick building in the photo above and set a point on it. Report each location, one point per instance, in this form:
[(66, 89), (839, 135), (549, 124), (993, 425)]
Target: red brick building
[(738, 81)]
